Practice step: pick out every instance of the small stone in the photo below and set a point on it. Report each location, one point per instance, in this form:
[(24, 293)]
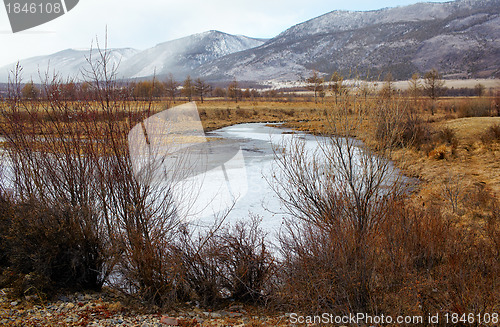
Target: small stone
[(70, 306), (235, 308), (14, 303), (31, 298), (116, 306), (169, 321), (63, 298)]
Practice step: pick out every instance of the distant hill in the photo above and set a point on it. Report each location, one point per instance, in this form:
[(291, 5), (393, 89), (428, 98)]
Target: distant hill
[(460, 38), (67, 63), (180, 57)]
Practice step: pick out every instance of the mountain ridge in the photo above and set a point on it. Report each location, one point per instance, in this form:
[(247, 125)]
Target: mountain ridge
[(180, 56), (460, 38)]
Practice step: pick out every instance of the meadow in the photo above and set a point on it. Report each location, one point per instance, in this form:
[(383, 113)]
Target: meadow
[(77, 219)]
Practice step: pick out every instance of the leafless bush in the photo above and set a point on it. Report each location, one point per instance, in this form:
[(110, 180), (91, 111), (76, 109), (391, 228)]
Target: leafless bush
[(474, 108), (414, 131), (230, 263), (52, 249), (56, 231), (342, 194), (71, 159), (326, 270), (453, 190), (243, 113), (447, 136), (395, 125), (492, 134), (248, 261), (428, 264)]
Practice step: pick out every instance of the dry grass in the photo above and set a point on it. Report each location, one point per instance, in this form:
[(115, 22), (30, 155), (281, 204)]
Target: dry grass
[(477, 161), (218, 113), (454, 148), (411, 241), (468, 129)]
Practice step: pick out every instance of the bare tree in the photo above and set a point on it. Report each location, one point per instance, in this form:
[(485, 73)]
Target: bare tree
[(479, 89), (234, 91), (337, 85), (171, 87), (188, 88), (433, 86), (201, 88), (414, 88), (388, 90), (315, 84)]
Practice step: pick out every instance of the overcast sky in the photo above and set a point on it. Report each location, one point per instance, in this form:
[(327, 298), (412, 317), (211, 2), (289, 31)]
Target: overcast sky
[(145, 23)]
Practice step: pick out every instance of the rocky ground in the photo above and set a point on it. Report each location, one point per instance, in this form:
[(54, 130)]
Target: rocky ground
[(106, 309)]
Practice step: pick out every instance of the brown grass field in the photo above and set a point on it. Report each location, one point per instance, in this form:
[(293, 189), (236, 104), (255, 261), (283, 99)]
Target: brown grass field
[(476, 161), (435, 250), (467, 157)]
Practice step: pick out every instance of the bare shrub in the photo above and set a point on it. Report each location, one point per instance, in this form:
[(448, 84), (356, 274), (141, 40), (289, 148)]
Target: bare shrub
[(453, 191), (474, 108), (222, 114), (492, 134), (447, 136), (248, 261), (57, 232), (428, 264), (51, 249), (327, 270), (341, 194), (414, 131), (230, 263), (395, 124), (71, 159), (243, 113), (200, 259)]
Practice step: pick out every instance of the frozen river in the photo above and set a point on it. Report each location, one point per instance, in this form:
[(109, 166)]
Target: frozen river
[(256, 142), (237, 168)]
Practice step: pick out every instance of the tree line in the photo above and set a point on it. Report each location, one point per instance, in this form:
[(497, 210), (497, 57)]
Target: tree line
[(190, 89), (431, 84)]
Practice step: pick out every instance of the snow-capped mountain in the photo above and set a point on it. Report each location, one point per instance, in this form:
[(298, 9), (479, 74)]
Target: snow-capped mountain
[(460, 38), (67, 64), (180, 57)]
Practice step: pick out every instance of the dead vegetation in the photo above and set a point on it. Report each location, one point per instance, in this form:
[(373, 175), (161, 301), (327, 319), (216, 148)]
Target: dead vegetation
[(74, 217)]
